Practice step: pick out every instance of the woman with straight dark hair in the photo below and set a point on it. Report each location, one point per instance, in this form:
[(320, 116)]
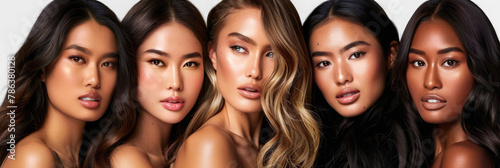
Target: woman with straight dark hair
[(448, 73), (168, 44), (65, 75), (352, 44)]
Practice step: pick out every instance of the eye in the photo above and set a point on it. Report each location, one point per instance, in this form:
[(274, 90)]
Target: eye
[(112, 65), (323, 64), (238, 49), (270, 54), (450, 63), (417, 63), (356, 55), (157, 63), (77, 59), (191, 64)]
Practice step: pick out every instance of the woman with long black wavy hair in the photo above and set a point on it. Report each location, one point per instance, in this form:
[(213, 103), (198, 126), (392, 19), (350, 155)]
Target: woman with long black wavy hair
[(352, 45), (448, 73), (66, 74)]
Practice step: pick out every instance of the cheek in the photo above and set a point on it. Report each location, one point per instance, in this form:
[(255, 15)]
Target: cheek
[(193, 81), (458, 86), (324, 80), (371, 75), (108, 78), (413, 81), (148, 82)]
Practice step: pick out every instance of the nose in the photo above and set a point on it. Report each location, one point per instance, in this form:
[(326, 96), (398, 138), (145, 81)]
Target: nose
[(174, 79), (253, 69), (92, 78), (432, 79), (342, 73)]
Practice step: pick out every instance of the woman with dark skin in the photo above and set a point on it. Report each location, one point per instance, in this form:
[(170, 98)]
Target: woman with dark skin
[(448, 70), (81, 43)]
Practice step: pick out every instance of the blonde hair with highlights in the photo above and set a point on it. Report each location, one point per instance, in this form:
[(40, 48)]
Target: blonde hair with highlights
[(295, 138)]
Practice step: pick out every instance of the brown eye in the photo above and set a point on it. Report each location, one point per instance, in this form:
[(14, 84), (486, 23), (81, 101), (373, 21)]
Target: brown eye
[(450, 63), (157, 63), (77, 59)]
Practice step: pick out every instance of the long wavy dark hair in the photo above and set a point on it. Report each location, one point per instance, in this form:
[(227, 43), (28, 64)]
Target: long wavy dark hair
[(142, 19), (377, 137), (42, 46), (480, 115)]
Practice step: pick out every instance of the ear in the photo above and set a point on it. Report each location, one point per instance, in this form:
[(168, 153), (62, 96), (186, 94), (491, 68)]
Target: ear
[(392, 54), (43, 76), (212, 54)]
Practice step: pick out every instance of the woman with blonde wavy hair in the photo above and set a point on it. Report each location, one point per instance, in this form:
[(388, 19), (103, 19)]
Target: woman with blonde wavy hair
[(261, 73)]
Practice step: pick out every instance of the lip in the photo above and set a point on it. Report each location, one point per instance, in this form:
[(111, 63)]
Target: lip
[(432, 102), (249, 91), (348, 96), (90, 100), (172, 103)]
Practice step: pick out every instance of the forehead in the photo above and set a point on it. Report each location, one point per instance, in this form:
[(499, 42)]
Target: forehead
[(339, 32), (435, 31), (246, 20)]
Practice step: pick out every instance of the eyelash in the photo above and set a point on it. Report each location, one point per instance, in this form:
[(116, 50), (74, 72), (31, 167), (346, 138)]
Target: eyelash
[(357, 55), (157, 62), (323, 64), (236, 48), (77, 59), (191, 64)]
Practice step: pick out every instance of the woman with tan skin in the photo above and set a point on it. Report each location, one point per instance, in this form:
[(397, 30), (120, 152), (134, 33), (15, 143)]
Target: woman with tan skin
[(256, 56), (450, 56), (352, 44), (168, 39), (66, 75)]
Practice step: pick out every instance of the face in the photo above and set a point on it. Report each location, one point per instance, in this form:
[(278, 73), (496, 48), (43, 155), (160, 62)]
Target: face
[(170, 72), (349, 66), (438, 77), (242, 58), (80, 82)]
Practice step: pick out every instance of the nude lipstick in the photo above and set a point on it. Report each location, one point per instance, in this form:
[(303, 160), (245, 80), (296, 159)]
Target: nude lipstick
[(348, 96), (249, 91), (172, 103), (432, 102), (90, 100)]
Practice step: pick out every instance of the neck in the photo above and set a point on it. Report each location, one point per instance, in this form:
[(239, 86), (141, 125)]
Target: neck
[(448, 134), (62, 133), (246, 125), (151, 134)]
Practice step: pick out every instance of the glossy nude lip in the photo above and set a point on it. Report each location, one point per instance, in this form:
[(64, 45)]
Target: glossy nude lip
[(249, 91), (432, 102), (172, 103), (348, 96), (90, 100)]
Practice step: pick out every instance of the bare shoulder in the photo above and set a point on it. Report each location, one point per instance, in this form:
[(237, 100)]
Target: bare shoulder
[(210, 146), (31, 152), (129, 156), (466, 154)]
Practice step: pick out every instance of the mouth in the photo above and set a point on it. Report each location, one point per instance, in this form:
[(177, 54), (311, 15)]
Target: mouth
[(249, 91), (432, 102), (90, 100), (348, 96), (173, 103)]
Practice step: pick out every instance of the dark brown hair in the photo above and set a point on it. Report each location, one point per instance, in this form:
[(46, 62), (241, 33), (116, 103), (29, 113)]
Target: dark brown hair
[(41, 48), (142, 19), (480, 114)]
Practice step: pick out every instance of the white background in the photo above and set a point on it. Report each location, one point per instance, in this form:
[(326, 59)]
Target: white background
[(18, 16)]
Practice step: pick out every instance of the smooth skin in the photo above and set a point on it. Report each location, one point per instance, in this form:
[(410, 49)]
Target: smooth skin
[(346, 56), (86, 64), (437, 65), (242, 56), (170, 64)]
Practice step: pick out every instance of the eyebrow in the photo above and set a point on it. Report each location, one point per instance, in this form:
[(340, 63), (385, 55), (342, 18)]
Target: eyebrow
[(164, 54), (88, 52), (242, 37), (353, 44), (442, 51), (345, 48), (450, 49), (79, 48)]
